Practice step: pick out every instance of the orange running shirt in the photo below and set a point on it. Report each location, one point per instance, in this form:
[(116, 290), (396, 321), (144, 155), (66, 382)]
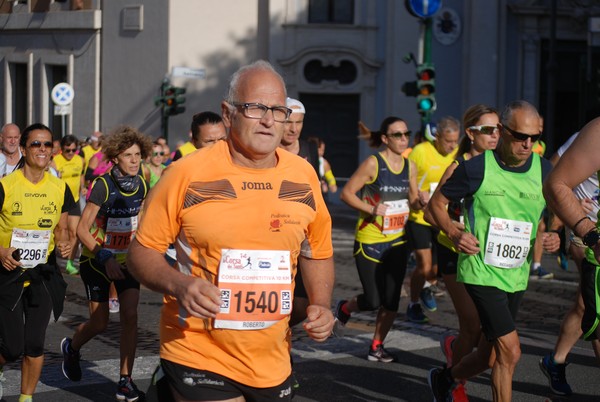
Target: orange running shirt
[(205, 204)]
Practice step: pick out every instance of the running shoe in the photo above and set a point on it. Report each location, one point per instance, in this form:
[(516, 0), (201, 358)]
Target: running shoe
[(415, 314), (113, 305), (70, 268), (127, 390), (428, 299), (339, 313), (556, 375), (2, 379), (563, 261), (70, 365), (437, 291), (439, 385), (446, 346), (541, 273), (380, 355), (459, 393)]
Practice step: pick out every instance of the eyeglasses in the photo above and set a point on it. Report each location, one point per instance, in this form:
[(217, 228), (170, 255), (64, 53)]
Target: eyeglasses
[(399, 134), (158, 153), (258, 111), (483, 129), (521, 136), (69, 150), (38, 144)]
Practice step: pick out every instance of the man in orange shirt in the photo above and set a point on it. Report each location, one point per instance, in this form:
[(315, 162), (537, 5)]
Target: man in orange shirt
[(241, 214)]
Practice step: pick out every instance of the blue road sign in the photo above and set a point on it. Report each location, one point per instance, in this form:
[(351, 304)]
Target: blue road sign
[(424, 8)]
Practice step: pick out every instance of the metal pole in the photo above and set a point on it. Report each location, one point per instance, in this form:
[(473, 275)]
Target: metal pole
[(551, 85), (63, 124)]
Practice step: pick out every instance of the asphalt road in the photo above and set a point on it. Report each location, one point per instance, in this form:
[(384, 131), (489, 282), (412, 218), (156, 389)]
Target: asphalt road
[(338, 369)]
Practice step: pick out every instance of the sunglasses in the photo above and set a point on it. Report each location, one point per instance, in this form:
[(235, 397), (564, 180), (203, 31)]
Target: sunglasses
[(69, 150), (399, 134), (158, 153), (520, 136), (483, 129), (38, 144)]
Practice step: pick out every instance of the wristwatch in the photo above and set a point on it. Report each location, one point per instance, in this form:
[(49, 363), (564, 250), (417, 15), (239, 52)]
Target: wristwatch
[(591, 238)]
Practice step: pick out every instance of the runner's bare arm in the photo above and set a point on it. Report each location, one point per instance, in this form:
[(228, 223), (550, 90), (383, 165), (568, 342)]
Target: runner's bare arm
[(318, 276), (198, 296), (579, 162)]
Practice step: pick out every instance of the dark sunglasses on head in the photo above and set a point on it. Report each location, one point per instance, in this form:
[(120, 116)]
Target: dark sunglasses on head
[(483, 129), (158, 153), (69, 150), (38, 144), (520, 136), (399, 134)]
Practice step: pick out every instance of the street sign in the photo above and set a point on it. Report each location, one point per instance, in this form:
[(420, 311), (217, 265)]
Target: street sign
[(423, 8), (62, 110), (62, 94), (187, 72)]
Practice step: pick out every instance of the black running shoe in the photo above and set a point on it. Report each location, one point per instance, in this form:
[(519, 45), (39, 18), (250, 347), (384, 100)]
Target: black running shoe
[(440, 387), (127, 390), (380, 355), (70, 365)]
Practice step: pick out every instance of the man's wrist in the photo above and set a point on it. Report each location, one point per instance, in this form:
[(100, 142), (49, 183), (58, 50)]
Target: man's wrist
[(591, 238)]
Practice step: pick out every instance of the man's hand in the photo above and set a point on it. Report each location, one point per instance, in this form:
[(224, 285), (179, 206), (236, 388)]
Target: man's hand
[(113, 269), (465, 242), (319, 322), (550, 241), (64, 248), (7, 260), (199, 297)]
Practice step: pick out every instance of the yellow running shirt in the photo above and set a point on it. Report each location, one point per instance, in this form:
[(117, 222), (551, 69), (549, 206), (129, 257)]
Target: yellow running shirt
[(431, 166)]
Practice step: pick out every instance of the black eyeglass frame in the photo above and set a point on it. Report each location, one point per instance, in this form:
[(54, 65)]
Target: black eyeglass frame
[(38, 144), (520, 136)]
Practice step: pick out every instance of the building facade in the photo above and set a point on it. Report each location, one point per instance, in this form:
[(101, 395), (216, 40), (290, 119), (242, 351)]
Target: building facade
[(345, 59)]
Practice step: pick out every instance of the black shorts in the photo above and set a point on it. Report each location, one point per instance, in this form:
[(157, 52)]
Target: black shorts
[(421, 236), (447, 260), (202, 385), (96, 282), (590, 285), (497, 309), (76, 210)]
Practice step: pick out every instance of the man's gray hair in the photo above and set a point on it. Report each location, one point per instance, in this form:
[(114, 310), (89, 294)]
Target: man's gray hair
[(506, 117), (258, 65)]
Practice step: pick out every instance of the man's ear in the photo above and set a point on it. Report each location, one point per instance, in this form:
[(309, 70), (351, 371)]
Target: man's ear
[(227, 114)]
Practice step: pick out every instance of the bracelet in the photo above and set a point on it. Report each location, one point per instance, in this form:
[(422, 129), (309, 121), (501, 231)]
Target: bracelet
[(578, 222)]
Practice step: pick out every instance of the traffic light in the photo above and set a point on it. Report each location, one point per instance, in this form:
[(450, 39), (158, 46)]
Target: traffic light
[(170, 100), (410, 88), (173, 100), (426, 103)]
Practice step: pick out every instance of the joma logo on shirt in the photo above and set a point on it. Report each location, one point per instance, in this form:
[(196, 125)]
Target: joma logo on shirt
[(256, 185), (529, 196)]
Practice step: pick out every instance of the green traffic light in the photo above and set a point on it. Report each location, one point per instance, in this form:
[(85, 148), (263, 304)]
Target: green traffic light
[(425, 105)]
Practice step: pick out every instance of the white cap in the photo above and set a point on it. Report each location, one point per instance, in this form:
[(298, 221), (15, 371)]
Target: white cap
[(295, 105)]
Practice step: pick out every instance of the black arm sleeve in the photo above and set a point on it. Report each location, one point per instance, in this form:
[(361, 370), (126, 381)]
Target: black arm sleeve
[(89, 174)]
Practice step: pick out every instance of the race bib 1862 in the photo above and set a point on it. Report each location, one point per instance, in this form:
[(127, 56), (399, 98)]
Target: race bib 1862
[(508, 243)]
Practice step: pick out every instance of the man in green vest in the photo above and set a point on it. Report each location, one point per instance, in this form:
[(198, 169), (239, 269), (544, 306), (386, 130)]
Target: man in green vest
[(503, 203), (579, 162)]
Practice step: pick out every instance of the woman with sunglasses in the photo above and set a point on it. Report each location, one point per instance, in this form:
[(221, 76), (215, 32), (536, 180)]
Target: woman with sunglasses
[(155, 166), (33, 223), (481, 133), (108, 223), (387, 188)]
